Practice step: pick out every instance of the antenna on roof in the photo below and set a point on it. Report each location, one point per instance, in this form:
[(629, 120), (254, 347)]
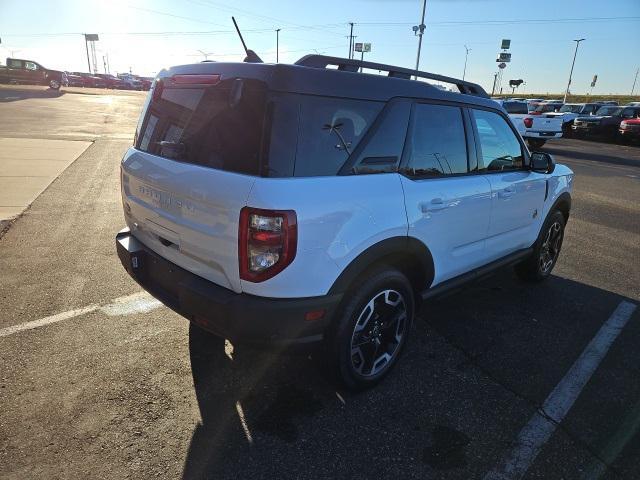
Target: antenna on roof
[(251, 57)]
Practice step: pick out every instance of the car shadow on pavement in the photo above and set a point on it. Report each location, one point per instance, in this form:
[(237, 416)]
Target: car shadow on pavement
[(594, 157), (480, 361), (15, 94)]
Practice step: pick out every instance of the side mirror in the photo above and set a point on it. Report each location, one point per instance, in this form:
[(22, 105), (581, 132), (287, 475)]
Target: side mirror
[(542, 162)]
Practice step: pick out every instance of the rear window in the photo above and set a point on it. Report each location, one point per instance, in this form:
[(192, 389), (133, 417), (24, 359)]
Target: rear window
[(218, 126), (516, 107)]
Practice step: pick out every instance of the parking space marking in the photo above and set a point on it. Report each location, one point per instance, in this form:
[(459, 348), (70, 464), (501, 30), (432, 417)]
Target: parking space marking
[(544, 422), (137, 303)]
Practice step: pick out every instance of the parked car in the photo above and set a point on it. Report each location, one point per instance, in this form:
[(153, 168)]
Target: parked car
[(72, 80), (330, 217), (630, 129), (130, 81), (570, 111), (633, 104), (605, 122), (112, 81), (145, 82), (91, 80), (29, 72), (536, 130)]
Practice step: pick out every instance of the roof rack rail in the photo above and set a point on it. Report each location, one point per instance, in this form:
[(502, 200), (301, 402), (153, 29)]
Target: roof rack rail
[(352, 65)]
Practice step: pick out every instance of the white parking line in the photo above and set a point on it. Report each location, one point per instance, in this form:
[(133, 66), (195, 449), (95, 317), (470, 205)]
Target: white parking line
[(544, 422), (136, 303)]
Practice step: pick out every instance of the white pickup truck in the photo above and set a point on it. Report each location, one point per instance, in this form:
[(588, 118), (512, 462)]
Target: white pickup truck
[(535, 129)]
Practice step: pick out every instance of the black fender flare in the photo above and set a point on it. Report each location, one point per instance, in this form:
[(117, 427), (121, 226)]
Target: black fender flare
[(562, 203), (389, 249)]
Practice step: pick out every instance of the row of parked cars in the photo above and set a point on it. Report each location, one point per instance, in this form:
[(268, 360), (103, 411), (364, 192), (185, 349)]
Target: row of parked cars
[(21, 71), (542, 120), (104, 80)]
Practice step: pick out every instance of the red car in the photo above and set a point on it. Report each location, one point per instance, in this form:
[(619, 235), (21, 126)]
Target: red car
[(112, 81), (630, 129)]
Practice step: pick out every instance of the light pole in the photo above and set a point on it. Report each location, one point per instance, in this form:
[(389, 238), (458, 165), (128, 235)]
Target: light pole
[(634, 81), (420, 28), (465, 61), (351, 41), (278, 45), (572, 64)]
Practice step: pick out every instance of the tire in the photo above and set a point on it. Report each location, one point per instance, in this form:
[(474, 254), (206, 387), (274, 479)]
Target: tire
[(54, 84), (546, 250), (535, 143), (371, 329)]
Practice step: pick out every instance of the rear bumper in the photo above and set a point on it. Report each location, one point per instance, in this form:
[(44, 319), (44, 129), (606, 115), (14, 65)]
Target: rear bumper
[(542, 135), (237, 316)]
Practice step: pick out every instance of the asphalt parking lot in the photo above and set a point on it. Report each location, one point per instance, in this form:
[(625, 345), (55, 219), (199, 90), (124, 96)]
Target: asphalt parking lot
[(100, 381)]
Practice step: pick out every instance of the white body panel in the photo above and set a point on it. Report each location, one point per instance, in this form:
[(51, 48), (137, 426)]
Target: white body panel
[(338, 218), (451, 216)]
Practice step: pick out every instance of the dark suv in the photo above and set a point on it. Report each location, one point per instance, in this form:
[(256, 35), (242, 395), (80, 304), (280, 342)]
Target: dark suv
[(605, 122)]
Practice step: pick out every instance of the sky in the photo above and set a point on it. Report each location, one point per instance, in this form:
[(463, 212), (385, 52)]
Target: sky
[(145, 36)]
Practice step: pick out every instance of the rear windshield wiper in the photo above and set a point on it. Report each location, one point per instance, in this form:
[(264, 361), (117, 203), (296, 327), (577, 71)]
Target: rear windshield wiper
[(177, 147)]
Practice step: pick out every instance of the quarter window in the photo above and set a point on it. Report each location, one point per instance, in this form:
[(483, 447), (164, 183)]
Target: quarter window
[(499, 146), (436, 144)]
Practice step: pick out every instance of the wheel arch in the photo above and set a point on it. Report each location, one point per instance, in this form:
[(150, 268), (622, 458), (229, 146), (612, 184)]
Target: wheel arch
[(407, 254), (562, 203)]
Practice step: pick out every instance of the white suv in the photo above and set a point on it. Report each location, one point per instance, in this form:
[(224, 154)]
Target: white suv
[(300, 203)]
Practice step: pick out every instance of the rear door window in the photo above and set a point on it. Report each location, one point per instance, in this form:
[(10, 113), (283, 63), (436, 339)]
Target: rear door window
[(436, 144), (218, 126), (329, 131)]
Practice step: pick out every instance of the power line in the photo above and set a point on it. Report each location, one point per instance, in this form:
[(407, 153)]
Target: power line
[(506, 22)]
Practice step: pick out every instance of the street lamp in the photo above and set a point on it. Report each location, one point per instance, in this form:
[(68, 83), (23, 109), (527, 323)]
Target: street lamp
[(278, 45), (419, 30), (572, 64), (205, 54), (465, 61)]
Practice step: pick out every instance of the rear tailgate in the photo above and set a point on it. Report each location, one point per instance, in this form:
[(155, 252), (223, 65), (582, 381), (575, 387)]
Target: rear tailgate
[(194, 162), (546, 124)]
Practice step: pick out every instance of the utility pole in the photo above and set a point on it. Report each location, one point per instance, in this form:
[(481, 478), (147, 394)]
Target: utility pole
[(86, 44), (420, 28), (634, 81), (495, 79), (278, 45), (571, 72), (465, 61), (350, 41), (104, 64)]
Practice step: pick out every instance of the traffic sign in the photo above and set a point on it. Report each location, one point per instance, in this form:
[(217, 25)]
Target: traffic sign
[(502, 65), (504, 57), (506, 44), (362, 47)]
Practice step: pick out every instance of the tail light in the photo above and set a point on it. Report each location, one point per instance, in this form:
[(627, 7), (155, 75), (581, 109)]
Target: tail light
[(267, 242), (528, 122)]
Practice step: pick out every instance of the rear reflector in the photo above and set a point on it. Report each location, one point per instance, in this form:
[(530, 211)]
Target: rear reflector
[(528, 122), (314, 315)]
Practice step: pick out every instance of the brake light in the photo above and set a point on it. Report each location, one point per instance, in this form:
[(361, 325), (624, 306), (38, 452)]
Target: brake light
[(194, 79), (267, 242), (528, 122)]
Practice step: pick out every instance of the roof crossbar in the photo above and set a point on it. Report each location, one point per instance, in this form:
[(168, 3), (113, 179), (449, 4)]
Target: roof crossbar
[(353, 65)]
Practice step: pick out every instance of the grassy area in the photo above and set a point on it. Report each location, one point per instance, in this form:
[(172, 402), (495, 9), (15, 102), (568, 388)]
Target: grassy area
[(621, 99)]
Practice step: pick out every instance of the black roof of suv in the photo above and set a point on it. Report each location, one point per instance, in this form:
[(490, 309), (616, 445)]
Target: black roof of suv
[(311, 75)]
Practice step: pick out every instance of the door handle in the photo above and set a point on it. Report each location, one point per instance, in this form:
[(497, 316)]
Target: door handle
[(506, 192), (433, 205)]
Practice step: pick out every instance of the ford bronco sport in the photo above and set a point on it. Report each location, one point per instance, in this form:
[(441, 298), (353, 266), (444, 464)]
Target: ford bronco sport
[(311, 202)]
